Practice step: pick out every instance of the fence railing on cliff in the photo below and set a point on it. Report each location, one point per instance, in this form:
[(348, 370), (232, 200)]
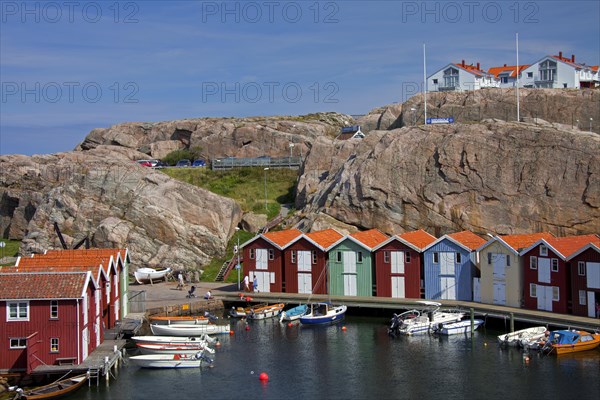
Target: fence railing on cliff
[(267, 162)]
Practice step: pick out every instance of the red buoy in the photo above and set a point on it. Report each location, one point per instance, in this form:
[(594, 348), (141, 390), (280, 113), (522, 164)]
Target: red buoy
[(263, 376), (230, 333), (247, 327), (344, 328)]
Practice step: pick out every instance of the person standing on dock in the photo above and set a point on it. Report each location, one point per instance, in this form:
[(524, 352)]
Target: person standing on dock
[(180, 280), (246, 284), (255, 284)]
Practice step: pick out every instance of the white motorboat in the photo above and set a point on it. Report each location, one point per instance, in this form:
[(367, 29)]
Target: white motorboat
[(423, 321), (185, 320), (268, 311), (174, 340), (171, 360), (152, 348), (189, 330), (323, 313), (455, 328), (146, 274), (515, 338)]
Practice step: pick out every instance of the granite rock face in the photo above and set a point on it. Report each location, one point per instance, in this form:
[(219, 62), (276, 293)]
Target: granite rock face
[(498, 177), (117, 204)]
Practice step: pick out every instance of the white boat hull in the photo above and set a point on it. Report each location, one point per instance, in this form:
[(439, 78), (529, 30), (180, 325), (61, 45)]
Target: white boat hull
[(515, 338), (174, 340), (423, 323), (168, 361), (189, 330), (460, 327), (143, 275), (149, 348)]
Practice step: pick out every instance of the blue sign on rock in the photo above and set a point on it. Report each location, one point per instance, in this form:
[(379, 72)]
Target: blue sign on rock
[(449, 120)]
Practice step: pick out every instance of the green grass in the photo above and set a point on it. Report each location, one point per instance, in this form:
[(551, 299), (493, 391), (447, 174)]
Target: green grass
[(11, 249), (244, 185), (247, 187)]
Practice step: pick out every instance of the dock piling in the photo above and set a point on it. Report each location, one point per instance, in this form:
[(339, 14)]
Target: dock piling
[(472, 312), (512, 322)]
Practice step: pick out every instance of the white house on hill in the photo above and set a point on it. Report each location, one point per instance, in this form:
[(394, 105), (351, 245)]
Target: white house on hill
[(461, 77), (559, 72), (507, 74)]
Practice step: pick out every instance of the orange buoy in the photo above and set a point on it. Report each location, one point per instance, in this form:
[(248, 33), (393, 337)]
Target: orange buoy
[(263, 376), (230, 333), (290, 324), (218, 344), (344, 328)]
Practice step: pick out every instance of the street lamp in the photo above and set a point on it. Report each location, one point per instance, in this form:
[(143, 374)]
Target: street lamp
[(414, 115), (238, 266), (591, 119), (266, 169)]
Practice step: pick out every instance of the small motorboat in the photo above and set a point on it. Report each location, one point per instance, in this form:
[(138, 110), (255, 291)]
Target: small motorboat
[(54, 390), (455, 328), (515, 338), (175, 340), (153, 348), (323, 313), (564, 342), (171, 360), (185, 319), (262, 312), (146, 274), (188, 330), (293, 313), (417, 322)]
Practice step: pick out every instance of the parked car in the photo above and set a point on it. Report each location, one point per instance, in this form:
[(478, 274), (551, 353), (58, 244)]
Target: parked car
[(199, 163), (183, 163), (144, 163)]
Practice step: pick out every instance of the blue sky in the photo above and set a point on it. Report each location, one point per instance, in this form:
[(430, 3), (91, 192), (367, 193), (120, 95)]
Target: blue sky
[(69, 67)]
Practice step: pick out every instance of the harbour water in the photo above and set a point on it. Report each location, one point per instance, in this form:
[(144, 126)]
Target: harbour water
[(359, 362)]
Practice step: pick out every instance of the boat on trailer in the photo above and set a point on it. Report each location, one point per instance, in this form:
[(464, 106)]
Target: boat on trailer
[(54, 390), (147, 274), (323, 313)]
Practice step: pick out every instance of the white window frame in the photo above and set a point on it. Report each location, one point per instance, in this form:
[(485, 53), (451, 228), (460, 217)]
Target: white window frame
[(533, 290), (53, 309), (458, 258), (359, 257), (17, 306), (543, 250), (407, 257), (339, 256), (532, 262), (54, 345), (554, 265), (583, 297), (314, 256), (252, 254), (386, 257), (436, 257), (18, 343), (293, 256), (271, 254), (581, 268), (555, 291)]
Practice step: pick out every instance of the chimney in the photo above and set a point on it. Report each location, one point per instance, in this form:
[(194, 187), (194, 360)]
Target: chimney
[(478, 66), (463, 63), (572, 58), (560, 54), (505, 65)]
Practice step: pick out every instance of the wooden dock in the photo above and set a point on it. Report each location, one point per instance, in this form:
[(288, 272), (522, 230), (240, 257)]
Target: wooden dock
[(396, 305)]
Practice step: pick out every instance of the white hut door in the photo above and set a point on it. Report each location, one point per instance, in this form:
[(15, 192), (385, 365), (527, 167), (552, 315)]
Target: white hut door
[(544, 270), (85, 342), (544, 297), (591, 303), (448, 283), (349, 273), (398, 287), (304, 272)]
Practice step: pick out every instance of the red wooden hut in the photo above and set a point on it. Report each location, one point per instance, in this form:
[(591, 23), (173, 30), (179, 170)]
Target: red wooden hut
[(398, 265), (585, 278)]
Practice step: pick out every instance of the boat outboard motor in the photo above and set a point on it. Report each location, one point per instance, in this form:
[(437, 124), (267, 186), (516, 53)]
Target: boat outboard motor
[(430, 316), (394, 325)]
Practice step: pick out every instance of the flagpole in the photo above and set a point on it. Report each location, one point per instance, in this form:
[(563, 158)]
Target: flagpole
[(518, 105), (425, 82)]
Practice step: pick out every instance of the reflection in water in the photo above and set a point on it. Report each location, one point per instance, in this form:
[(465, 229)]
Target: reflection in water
[(362, 362)]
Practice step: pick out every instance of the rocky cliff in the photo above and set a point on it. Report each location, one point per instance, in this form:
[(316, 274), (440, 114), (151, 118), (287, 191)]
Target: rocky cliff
[(103, 194), (496, 176)]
